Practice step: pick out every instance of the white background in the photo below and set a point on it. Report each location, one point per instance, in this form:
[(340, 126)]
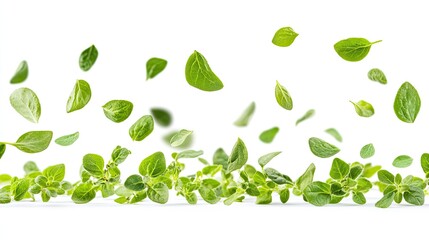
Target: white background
[(235, 37)]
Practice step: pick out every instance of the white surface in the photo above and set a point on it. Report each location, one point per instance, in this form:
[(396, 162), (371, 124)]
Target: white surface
[(235, 37)]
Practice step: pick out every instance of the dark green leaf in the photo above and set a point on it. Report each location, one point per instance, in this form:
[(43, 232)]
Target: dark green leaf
[(284, 195), (199, 74), (162, 116), (424, 161), (21, 73), (135, 183), (278, 177), (407, 103), (94, 165), (415, 196), (359, 198), (386, 177), (88, 57), (2, 149), (318, 193), (386, 200)]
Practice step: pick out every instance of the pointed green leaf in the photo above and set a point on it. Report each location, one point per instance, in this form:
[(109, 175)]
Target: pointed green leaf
[(199, 74)]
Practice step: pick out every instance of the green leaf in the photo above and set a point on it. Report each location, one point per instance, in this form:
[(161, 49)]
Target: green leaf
[(264, 197), (21, 189), (284, 195), (162, 116), (268, 135), (55, 172), (142, 128), (318, 193), (407, 103), (21, 73), (158, 193), (94, 165), (334, 133), (339, 169), (88, 57), (363, 185), (191, 198), (188, 154), (118, 110), (119, 154), (153, 166), (67, 140), (220, 158), (278, 177), (84, 193), (386, 177), (234, 197), (284, 37), (154, 66), (283, 97), (363, 109), (424, 161), (386, 200), (33, 142), (367, 151), (26, 103), (322, 149), (2, 149), (211, 170), (415, 196), (370, 170), (30, 167), (135, 183), (306, 178), (79, 97), (179, 138), (107, 190), (245, 117), (5, 178), (310, 113), (199, 74), (207, 192), (353, 49), (238, 156), (355, 171), (402, 161), (377, 75), (265, 159), (203, 161), (359, 198)]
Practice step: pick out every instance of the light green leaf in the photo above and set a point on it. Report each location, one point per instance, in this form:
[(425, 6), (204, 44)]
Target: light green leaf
[(268, 135), (21, 73), (363, 109), (284, 37), (94, 165), (67, 140), (88, 57), (179, 138), (245, 117), (84, 193), (79, 97), (278, 177), (367, 151), (30, 167), (334, 133), (386, 200), (370, 170), (26, 103), (2, 149), (188, 154), (33, 142), (55, 172), (283, 97), (424, 162), (353, 49), (407, 103), (306, 178), (318, 193), (415, 196), (21, 189), (310, 113), (322, 149), (142, 128), (265, 159), (386, 177), (154, 66), (161, 116), (118, 110), (153, 166), (402, 161), (377, 75), (359, 198), (339, 169), (158, 193), (119, 154), (199, 74), (238, 156)]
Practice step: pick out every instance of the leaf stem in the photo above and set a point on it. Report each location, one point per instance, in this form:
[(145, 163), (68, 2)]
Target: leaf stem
[(376, 42)]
